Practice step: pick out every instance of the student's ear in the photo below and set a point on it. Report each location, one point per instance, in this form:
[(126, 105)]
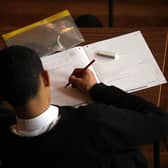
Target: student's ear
[(46, 79)]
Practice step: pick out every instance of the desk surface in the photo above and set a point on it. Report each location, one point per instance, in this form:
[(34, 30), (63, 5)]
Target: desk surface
[(157, 39)]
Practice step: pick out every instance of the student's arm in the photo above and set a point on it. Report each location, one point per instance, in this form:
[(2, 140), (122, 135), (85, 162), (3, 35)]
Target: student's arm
[(126, 120), (101, 93), (117, 97)]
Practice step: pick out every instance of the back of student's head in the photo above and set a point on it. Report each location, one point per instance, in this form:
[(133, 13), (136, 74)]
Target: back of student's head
[(20, 68)]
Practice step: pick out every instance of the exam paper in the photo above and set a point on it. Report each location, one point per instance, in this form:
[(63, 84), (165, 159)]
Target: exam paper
[(135, 67)]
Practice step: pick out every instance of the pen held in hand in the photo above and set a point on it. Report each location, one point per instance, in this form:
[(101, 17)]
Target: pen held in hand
[(82, 71)]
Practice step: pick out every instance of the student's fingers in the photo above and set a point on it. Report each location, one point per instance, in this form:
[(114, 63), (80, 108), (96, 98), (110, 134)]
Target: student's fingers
[(84, 82), (78, 72), (77, 83)]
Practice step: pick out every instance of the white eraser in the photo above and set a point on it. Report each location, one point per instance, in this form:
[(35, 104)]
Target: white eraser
[(105, 53)]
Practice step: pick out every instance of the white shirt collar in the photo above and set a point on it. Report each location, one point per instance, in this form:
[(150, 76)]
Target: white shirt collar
[(38, 125)]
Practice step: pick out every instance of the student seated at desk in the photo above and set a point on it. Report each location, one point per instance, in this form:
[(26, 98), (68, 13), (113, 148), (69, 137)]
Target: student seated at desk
[(105, 134)]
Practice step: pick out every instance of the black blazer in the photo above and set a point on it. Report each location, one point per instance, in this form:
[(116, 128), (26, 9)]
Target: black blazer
[(105, 134)]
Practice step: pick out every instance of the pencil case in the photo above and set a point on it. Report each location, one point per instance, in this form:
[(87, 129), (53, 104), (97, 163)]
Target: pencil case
[(52, 34)]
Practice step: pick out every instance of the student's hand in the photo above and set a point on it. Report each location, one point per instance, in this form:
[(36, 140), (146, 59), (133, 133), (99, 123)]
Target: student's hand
[(82, 80)]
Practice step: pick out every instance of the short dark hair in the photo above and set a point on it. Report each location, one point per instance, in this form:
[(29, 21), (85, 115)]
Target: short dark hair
[(20, 69)]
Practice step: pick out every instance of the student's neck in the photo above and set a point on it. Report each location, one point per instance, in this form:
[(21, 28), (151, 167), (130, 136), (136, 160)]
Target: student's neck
[(32, 109)]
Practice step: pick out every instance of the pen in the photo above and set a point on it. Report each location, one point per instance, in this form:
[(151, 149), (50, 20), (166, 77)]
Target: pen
[(84, 69)]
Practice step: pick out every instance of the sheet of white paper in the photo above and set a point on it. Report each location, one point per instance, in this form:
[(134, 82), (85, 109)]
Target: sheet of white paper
[(135, 67), (60, 67)]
